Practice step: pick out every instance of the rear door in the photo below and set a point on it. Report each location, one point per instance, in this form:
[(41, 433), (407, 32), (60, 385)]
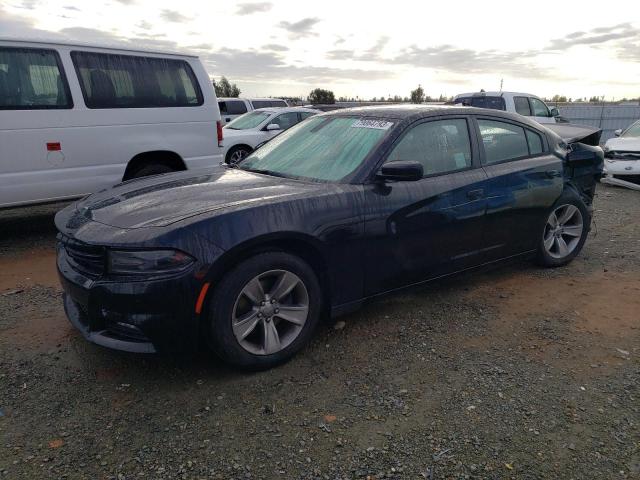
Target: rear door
[(422, 229), (524, 180), (35, 107)]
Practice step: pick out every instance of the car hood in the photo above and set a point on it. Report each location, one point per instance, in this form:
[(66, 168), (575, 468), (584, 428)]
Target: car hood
[(165, 199), (624, 144)]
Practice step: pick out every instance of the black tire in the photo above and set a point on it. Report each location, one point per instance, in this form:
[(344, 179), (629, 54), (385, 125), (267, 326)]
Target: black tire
[(545, 258), (152, 169), (239, 150), (218, 322)]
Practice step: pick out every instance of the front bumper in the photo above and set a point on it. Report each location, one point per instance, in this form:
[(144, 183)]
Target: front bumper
[(134, 316)]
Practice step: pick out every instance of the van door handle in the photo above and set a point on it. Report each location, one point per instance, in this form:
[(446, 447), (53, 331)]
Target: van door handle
[(552, 173), (475, 194)]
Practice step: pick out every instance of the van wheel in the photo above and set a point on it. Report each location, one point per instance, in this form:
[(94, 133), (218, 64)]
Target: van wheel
[(564, 232), (152, 169), (236, 154), (264, 311)]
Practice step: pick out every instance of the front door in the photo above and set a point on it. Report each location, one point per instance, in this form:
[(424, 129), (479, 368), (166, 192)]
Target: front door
[(422, 229)]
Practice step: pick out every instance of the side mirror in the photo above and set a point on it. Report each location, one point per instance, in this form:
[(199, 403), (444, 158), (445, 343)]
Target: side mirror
[(555, 112), (401, 170), (618, 132), (273, 126)]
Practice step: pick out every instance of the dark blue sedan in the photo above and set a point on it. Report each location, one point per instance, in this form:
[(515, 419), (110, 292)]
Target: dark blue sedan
[(339, 209)]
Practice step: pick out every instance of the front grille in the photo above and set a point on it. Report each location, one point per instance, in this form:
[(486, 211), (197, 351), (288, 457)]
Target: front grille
[(87, 259)]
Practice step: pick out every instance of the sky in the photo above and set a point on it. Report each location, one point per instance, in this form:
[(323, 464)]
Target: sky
[(366, 49)]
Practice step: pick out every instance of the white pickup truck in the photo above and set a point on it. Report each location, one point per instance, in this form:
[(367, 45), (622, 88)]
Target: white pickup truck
[(522, 103)]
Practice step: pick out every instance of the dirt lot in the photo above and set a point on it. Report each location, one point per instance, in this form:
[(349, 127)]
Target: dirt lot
[(514, 373)]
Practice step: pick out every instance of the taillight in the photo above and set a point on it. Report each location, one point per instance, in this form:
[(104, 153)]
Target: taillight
[(219, 128)]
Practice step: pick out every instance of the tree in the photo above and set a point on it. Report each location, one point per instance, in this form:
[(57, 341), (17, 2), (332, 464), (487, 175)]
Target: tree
[(559, 98), (321, 96), (225, 88), (417, 95)]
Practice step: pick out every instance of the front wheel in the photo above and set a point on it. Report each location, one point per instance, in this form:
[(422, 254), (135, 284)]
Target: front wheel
[(564, 233), (264, 311)]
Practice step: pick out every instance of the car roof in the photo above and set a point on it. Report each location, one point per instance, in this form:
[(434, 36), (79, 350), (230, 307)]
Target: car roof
[(415, 112), (122, 47), (251, 99), (285, 110)]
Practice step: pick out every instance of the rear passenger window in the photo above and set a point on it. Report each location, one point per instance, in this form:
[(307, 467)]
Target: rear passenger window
[(535, 143), (124, 81), (32, 79), (261, 103), (502, 141), (440, 146), (522, 106)]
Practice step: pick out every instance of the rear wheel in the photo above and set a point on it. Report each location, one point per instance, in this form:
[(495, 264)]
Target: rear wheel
[(564, 232), (237, 153), (264, 311)]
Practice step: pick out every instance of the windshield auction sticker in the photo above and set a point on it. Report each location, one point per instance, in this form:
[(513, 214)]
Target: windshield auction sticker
[(376, 124)]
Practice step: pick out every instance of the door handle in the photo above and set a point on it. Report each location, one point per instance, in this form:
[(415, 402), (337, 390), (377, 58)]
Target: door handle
[(552, 173), (475, 194)]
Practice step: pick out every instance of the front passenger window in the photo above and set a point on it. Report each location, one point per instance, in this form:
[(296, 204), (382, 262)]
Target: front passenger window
[(539, 108), (440, 146)]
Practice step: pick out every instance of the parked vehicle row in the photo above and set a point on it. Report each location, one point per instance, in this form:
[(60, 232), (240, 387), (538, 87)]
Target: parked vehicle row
[(75, 119), (232, 108), (343, 207), (250, 130)]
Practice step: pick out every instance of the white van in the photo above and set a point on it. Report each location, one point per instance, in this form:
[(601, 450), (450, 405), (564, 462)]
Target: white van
[(75, 118), (231, 108)]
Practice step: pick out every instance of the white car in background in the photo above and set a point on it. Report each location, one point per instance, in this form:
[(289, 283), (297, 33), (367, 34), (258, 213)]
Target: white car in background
[(246, 132), (622, 158), (523, 103), (232, 107)]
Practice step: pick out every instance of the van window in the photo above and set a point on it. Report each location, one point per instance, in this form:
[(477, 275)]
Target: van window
[(278, 103), (32, 79), (539, 108), (124, 81)]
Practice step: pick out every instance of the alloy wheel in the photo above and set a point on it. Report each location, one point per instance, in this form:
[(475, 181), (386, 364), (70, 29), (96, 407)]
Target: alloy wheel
[(563, 231), (238, 155), (270, 312)]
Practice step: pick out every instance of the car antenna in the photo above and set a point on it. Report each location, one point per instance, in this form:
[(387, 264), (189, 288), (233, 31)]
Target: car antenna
[(501, 92)]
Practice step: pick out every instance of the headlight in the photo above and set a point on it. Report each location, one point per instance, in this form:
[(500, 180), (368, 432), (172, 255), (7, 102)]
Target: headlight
[(134, 262)]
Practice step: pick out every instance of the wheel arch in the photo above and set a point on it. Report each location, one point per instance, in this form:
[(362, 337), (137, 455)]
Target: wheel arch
[(302, 245), (165, 157)]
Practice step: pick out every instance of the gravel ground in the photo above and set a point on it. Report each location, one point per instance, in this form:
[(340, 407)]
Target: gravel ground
[(517, 372)]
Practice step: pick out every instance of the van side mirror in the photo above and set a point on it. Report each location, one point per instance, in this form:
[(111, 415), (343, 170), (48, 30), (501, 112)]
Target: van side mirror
[(273, 126), (401, 170), (618, 132), (555, 112)]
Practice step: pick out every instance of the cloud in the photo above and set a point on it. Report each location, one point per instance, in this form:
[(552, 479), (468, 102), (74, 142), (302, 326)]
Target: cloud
[(72, 8), (274, 47), (595, 37), (370, 55), (126, 2), (144, 25), (301, 28), (250, 64), (174, 16), (254, 7)]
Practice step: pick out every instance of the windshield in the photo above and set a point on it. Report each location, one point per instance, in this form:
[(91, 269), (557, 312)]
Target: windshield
[(632, 131), (320, 148), (248, 120)]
